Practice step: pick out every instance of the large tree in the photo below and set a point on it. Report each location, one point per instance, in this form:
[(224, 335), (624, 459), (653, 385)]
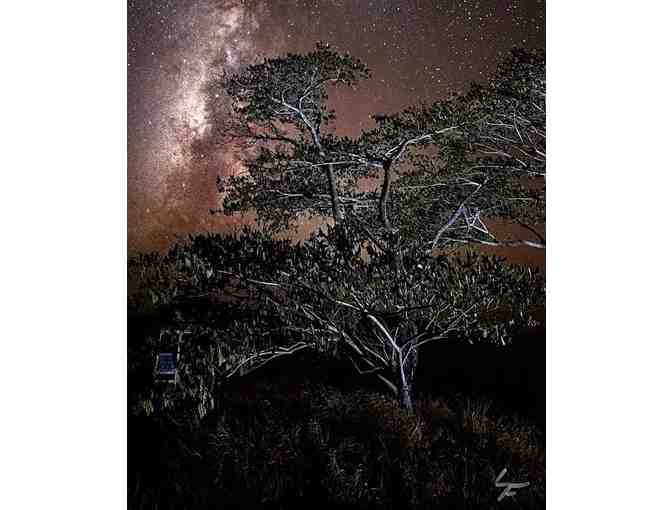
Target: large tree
[(442, 170)]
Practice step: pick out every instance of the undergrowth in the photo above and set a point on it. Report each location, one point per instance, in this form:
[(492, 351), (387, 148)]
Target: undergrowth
[(269, 446)]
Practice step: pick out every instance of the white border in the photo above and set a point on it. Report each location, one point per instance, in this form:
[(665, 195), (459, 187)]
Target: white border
[(63, 250), (63, 201), (608, 351)]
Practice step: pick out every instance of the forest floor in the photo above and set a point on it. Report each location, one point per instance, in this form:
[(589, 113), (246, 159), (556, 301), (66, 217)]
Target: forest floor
[(310, 432)]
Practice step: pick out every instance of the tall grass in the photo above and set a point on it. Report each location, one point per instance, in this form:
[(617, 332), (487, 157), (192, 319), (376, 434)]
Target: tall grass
[(278, 447)]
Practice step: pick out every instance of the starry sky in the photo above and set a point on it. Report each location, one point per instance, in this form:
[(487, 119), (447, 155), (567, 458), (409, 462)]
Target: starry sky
[(417, 50)]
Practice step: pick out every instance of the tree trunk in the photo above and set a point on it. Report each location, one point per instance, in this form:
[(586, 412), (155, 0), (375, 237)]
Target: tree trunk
[(385, 195), (405, 398), (406, 376), (333, 192), (392, 240), (393, 246)]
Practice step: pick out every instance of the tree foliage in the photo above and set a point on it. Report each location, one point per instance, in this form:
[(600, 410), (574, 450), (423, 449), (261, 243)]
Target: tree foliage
[(275, 298), (371, 289), (280, 106), (443, 168)]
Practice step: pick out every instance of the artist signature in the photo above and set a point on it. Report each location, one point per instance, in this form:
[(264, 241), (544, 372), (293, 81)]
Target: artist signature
[(509, 486)]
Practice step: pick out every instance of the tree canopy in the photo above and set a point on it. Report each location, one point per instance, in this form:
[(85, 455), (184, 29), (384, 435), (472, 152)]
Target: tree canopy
[(442, 168), (371, 289), (275, 298), (280, 105)]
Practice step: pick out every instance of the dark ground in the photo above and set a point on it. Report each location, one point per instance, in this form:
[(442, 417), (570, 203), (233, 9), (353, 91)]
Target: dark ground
[(267, 460)]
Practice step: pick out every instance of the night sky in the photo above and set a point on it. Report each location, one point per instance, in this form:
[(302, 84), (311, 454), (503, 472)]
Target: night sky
[(417, 50)]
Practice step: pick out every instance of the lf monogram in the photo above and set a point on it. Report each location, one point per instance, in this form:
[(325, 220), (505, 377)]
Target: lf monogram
[(508, 491)]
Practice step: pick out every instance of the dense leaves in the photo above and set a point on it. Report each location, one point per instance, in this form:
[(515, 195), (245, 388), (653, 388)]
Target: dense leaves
[(442, 169), (450, 166), (274, 298), (280, 107)]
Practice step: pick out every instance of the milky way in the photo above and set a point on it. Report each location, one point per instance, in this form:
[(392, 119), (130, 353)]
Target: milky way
[(418, 50)]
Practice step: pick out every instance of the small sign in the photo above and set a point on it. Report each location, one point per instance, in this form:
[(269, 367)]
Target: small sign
[(166, 369)]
